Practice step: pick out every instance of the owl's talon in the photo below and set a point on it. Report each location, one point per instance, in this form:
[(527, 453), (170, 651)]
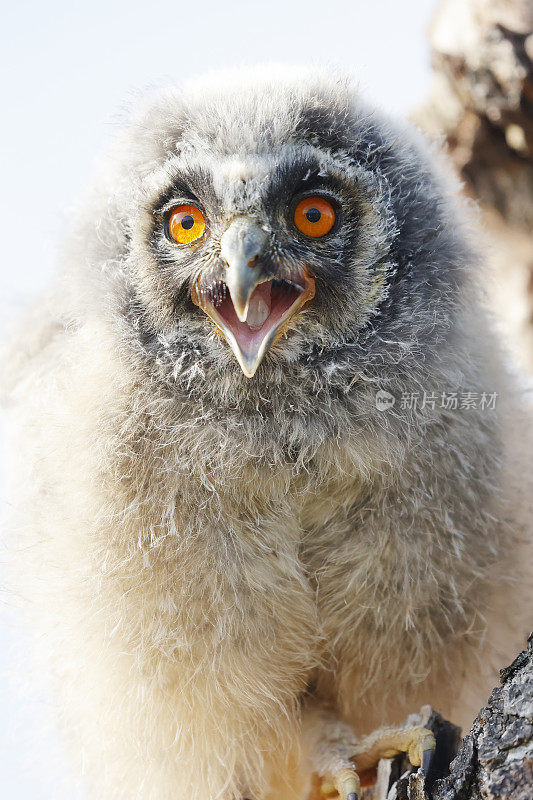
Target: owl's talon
[(422, 742), (347, 784), (417, 743)]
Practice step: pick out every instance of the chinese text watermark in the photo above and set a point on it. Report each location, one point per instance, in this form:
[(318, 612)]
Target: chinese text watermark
[(447, 400)]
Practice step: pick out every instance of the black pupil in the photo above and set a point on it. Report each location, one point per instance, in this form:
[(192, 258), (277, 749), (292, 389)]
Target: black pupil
[(313, 215), (187, 222)]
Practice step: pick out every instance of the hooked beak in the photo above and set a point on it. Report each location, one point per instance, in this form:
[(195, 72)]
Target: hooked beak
[(251, 306)]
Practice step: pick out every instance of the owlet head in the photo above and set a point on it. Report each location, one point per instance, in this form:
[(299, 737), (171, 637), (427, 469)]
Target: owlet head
[(274, 217)]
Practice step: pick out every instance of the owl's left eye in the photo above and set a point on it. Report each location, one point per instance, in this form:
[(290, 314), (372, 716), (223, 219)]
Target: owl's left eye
[(314, 216), (186, 223)]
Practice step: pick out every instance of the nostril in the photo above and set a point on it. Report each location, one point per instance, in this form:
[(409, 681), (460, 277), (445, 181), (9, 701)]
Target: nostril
[(253, 261)]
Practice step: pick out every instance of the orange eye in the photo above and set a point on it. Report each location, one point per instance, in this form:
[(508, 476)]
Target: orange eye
[(314, 216), (186, 224)]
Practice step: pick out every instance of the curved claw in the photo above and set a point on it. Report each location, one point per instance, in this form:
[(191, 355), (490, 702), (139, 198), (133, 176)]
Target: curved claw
[(427, 758)]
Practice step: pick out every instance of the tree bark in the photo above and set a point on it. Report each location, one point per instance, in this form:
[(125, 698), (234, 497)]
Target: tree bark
[(482, 105), (494, 761)]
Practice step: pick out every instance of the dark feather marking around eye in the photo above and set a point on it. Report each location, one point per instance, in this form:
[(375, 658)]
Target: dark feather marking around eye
[(299, 175), (290, 177), (196, 185)]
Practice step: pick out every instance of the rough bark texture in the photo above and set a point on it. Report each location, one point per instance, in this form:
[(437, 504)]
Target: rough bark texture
[(482, 104), (494, 761), (496, 758)]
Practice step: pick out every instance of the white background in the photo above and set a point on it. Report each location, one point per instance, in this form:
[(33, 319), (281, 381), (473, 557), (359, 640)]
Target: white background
[(69, 69)]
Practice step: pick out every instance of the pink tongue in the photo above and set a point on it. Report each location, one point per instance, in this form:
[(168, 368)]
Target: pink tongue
[(259, 306)]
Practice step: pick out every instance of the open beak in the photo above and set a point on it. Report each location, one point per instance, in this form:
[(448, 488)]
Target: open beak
[(251, 306)]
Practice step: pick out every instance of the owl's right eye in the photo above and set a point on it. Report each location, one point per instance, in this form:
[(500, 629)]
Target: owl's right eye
[(186, 224)]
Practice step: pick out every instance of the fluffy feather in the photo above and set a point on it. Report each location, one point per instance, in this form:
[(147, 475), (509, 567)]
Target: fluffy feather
[(208, 556)]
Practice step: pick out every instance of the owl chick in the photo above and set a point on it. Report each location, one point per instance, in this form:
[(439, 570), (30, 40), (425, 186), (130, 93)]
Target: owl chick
[(269, 472)]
